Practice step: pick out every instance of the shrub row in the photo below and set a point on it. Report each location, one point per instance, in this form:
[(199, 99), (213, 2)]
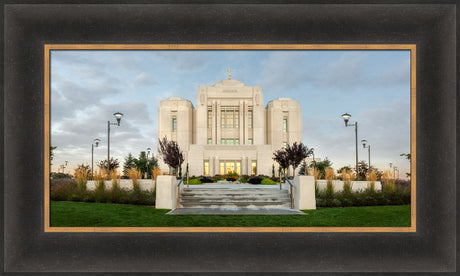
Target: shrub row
[(398, 196), (259, 179), (69, 191)]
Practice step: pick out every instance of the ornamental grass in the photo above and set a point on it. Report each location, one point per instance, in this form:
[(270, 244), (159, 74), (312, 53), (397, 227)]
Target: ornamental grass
[(389, 181), (69, 191), (347, 177), (115, 179), (315, 174), (155, 172), (81, 175), (371, 178), (330, 176), (135, 175)]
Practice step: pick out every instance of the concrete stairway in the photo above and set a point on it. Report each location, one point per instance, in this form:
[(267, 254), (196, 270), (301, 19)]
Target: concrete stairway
[(228, 198)]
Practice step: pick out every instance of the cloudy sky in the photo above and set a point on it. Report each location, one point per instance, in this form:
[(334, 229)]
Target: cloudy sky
[(88, 86)]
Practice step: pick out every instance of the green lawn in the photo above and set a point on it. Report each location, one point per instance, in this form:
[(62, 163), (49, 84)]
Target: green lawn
[(78, 214)]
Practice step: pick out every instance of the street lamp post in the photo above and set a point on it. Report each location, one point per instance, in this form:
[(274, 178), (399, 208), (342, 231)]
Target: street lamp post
[(147, 171), (364, 142), (64, 166), (118, 116), (313, 161), (96, 141), (313, 153), (346, 117)]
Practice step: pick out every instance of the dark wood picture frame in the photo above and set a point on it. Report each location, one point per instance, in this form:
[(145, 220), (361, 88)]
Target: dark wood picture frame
[(48, 48), (27, 28)]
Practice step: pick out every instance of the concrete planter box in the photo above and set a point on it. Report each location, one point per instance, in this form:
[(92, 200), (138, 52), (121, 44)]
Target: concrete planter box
[(127, 184), (356, 185)]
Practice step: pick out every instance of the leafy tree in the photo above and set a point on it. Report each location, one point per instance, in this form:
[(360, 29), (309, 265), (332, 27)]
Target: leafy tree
[(282, 158), (130, 162), (347, 168), (408, 157), (321, 166), (297, 152), (171, 154), (83, 169), (55, 175), (364, 169), (141, 163), (303, 168), (151, 164), (52, 154), (114, 164)]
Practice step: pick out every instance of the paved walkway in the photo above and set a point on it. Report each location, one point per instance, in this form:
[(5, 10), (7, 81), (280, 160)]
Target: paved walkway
[(235, 211), (235, 186)]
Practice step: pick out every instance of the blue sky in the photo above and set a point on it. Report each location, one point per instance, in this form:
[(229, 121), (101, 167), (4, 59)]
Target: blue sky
[(88, 86)]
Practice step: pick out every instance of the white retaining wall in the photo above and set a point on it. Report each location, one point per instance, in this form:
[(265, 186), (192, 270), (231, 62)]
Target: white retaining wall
[(127, 184), (356, 185), (166, 194), (304, 192)]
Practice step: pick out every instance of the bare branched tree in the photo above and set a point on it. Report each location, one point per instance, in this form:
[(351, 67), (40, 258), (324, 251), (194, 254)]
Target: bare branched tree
[(171, 154)]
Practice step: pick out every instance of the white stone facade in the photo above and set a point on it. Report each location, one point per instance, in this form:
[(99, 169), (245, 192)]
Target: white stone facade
[(230, 129)]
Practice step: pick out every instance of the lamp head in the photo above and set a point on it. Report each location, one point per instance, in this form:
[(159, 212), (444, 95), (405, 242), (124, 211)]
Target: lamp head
[(148, 151), (346, 117), (364, 142), (118, 115), (96, 141)]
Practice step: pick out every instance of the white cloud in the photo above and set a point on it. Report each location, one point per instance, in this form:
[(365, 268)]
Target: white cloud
[(88, 87)]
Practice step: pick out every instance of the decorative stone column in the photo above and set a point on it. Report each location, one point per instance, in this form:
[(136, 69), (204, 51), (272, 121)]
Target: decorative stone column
[(216, 165), (248, 166), (218, 130), (214, 123), (241, 124)]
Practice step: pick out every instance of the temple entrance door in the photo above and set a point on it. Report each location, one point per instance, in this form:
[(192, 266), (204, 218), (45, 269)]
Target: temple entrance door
[(230, 166)]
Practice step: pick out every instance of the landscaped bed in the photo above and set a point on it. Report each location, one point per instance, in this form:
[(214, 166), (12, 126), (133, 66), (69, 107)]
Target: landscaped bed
[(79, 214)]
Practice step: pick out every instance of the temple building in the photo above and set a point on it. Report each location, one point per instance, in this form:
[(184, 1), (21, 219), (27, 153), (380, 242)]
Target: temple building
[(230, 129)]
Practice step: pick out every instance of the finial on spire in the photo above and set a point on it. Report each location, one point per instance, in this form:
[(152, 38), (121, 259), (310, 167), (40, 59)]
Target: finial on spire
[(229, 74)]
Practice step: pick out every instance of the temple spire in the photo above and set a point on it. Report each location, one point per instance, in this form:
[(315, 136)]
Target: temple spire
[(229, 74)]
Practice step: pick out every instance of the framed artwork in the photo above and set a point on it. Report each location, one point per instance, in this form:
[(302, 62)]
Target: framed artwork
[(35, 33), (74, 87)]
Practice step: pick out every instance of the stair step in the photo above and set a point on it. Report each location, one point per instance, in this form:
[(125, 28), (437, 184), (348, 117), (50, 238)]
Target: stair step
[(215, 192), (233, 204), (233, 196), (247, 199)]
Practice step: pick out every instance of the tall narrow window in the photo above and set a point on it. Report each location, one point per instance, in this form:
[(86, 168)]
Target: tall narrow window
[(209, 117), (237, 119), (222, 167), (250, 118), (174, 124), (284, 144), (249, 141), (238, 167), (229, 117), (254, 167), (285, 124), (206, 167), (209, 141)]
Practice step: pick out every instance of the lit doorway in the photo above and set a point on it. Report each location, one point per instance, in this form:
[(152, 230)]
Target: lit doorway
[(228, 166)]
